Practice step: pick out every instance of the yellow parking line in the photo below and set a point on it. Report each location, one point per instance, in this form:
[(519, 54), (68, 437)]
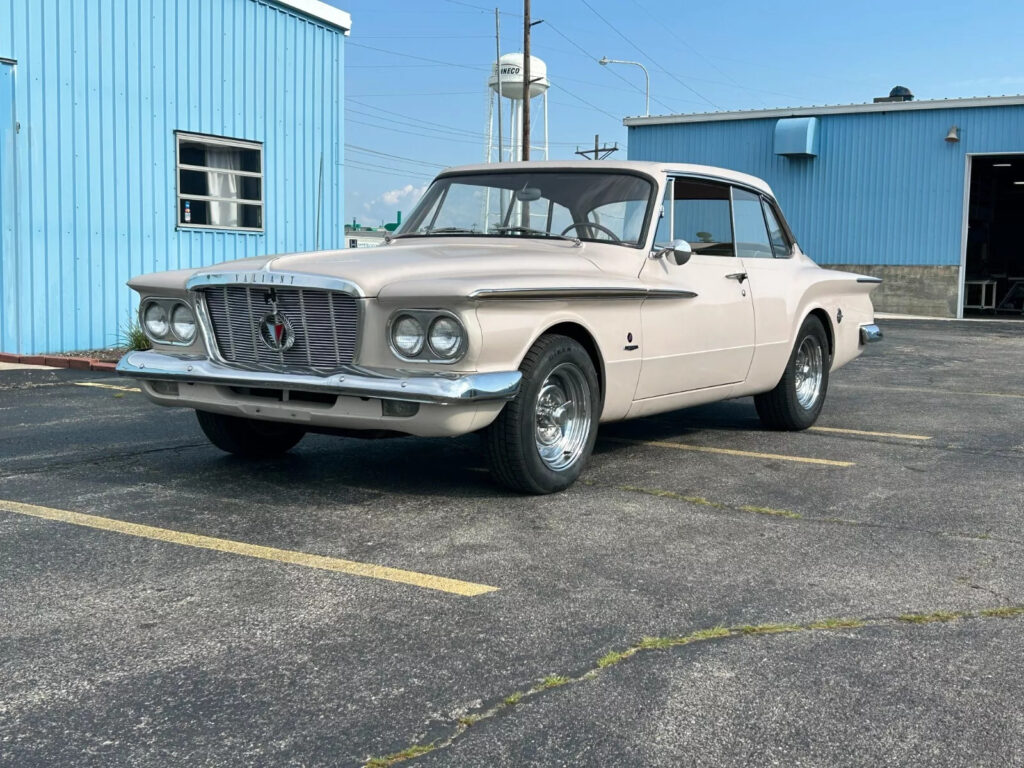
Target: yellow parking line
[(870, 434), (731, 452), (423, 580), (931, 390), (101, 385)]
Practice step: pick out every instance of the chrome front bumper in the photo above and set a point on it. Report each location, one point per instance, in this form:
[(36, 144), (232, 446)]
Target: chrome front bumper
[(410, 386), (870, 333)]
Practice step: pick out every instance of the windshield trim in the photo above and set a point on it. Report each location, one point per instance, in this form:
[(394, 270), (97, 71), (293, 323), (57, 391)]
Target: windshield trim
[(641, 243)]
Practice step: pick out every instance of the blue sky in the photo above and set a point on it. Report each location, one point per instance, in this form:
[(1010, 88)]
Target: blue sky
[(416, 71)]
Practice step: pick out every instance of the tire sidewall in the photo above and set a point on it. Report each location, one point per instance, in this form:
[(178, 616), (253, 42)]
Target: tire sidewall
[(805, 417), (543, 478)]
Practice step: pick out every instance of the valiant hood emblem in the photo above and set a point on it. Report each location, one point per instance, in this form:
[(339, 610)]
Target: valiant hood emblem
[(276, 332)]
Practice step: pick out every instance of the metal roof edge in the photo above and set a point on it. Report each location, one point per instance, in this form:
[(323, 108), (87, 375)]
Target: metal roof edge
[(321, 11), (836, 109)]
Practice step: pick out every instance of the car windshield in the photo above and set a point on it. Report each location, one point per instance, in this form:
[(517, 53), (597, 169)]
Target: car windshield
[(600, 206)]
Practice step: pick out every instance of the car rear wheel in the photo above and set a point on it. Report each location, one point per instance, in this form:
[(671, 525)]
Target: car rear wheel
[(248, 437), (799, 396), (541, 441)]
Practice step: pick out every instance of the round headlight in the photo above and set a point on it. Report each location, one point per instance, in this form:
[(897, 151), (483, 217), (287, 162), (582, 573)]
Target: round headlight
[(183, 323), (407, 335), (154, 319), (445, 337)]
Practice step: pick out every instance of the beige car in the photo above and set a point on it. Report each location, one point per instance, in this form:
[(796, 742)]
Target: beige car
[(526, 301)]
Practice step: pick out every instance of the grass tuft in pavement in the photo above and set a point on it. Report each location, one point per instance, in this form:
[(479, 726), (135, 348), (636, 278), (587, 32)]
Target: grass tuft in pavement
[(416, 750), (927, 618)]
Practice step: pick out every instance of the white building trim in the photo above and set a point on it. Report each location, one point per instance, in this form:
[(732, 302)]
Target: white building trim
[(322, 11), (836, 109)]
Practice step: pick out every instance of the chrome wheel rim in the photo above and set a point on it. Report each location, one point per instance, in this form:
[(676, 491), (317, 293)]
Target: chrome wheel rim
[(562, 417), (809, 372)]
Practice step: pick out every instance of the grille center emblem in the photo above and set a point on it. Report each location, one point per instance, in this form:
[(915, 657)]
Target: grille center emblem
[(276, 332)]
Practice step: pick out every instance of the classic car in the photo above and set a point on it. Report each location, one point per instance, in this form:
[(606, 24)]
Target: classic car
[(526, 301)]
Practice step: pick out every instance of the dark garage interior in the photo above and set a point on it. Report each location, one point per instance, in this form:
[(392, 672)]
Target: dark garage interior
[(994, 276)]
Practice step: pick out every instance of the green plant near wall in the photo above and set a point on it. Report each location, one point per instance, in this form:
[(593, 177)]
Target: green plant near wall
[(132, 336)]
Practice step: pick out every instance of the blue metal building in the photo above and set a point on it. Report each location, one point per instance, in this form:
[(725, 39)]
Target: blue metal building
[(928, 195), (143, 135)]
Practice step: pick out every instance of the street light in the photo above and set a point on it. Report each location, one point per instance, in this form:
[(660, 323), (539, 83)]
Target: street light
[(604, 60)]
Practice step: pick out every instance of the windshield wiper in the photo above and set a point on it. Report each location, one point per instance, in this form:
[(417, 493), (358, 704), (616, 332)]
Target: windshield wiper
[(531, 231), (449, 231)]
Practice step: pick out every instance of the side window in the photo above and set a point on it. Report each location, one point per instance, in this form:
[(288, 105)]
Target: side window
[(700, 215), (751, 234), (780, 243)]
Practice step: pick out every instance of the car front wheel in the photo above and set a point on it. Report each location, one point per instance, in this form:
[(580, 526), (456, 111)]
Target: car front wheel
[(541, 441), (799, 396), (248, 437)]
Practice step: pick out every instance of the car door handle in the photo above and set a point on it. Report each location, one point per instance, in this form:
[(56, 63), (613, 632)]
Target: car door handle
[(740, 276)]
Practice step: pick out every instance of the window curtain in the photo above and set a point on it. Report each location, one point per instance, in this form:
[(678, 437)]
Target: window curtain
[(224, 185)]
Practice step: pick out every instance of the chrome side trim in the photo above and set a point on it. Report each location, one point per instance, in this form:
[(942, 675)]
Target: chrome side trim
[(870, 333), (869, 279), (553, 294), (387, 384), (265, 277)]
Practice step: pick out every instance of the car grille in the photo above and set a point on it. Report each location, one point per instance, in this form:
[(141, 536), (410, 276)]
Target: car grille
[(325, 325)]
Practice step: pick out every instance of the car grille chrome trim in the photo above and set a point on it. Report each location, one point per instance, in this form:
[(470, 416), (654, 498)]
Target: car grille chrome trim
[(325, 324)]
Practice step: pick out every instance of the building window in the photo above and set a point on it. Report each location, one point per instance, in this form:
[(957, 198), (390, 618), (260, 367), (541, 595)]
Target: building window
[(220, 183)]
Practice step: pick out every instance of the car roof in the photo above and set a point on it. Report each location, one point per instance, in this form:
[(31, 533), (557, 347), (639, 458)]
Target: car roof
[(648, 168)]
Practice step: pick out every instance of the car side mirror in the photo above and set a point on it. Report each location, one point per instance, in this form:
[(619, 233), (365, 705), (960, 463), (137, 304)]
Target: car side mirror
[(678, 252)]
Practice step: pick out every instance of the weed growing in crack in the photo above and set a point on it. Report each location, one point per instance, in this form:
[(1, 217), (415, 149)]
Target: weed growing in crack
[(612, 657), (836, 624), (927, 618), (1003, 612), (767, 629), (416, 750), (553, 681), (770, 511), (656, 643)]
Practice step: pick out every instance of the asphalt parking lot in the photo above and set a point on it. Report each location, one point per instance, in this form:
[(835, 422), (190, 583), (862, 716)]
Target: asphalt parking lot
[(712, 593)]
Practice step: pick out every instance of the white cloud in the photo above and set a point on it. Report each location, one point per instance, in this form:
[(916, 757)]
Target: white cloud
[(384, 206)]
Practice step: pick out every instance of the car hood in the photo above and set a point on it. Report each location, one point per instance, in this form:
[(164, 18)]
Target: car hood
[(457, 264)]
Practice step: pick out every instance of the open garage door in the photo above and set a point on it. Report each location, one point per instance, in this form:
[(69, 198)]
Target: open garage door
[(994, 263)]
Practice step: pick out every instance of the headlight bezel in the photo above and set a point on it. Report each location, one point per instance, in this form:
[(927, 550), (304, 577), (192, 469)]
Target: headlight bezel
[(426, 319), (169, 307)]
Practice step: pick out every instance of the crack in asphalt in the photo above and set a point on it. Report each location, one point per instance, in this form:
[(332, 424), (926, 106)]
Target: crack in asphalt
[(785, 514), (719, 633), (80, 462)]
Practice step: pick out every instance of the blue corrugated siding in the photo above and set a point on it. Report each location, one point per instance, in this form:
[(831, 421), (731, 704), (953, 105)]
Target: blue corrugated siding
[(885, 189), (100, 88)]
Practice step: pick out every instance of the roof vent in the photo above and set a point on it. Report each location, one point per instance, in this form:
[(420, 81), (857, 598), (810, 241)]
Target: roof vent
[(899, 93)]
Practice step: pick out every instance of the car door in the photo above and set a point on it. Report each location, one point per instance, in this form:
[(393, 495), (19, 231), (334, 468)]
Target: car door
[(764, 245), (707, 340)]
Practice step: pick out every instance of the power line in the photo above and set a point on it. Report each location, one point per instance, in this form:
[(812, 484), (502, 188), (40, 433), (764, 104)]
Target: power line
[(418, 58), (644, 54), (408, 94), (589, 104), (366, 150), (410, 121), (356, 166), (590, 57)]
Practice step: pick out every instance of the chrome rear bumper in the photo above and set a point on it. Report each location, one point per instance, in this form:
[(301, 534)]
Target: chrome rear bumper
[(410, 386), (870, 333)]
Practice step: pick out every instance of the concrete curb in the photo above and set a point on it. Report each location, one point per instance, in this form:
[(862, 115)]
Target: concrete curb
[(57, 361)]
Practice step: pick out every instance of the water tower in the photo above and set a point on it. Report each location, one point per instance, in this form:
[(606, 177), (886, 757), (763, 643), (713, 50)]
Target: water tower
[(506, 82)]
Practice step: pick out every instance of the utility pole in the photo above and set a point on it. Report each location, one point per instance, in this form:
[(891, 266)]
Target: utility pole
[(497, 64), (526, 80), (598, 152)]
